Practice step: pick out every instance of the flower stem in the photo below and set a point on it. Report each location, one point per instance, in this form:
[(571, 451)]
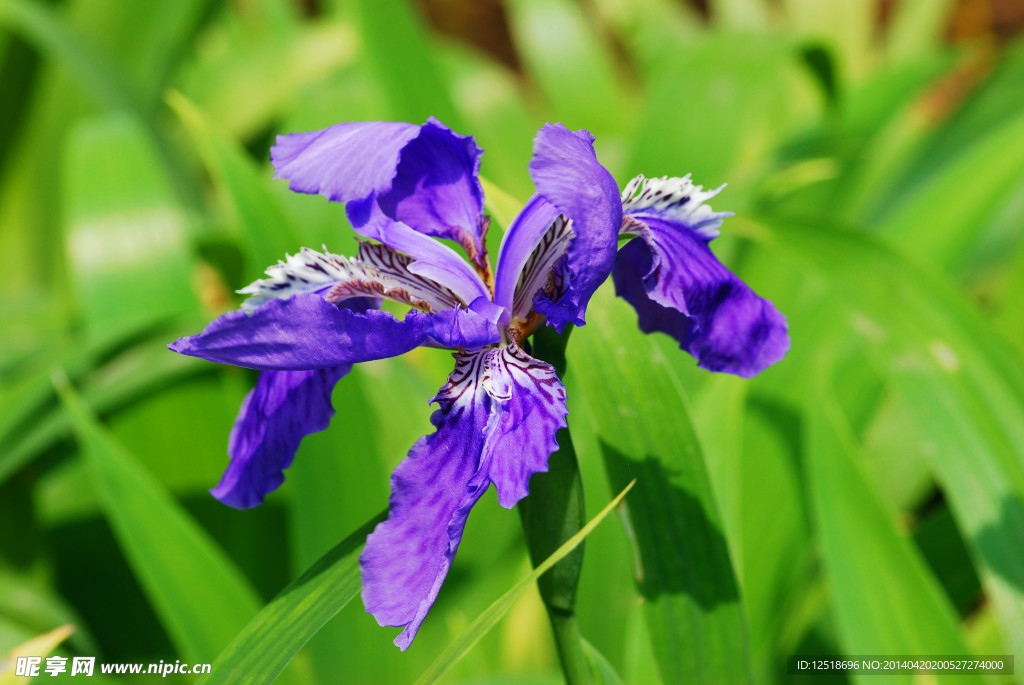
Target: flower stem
[(552, 514)]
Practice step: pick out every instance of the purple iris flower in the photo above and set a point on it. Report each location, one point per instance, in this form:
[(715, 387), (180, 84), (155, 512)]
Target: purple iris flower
[(318, 314)]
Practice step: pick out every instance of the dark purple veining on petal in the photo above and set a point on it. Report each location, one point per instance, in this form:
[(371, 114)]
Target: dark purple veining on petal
[(496, 422), (523, 424), (408, 556)]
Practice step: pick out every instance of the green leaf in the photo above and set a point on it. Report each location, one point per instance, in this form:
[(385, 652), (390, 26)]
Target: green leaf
[(715, 108), (917, 28), (604, 672), (573, 69), (35, 425), (200, 596), (398, 51), (342, 479), (265, 228), (959, 383), (127, 236), (884, 598), (634, 404), (940, 219), (490, 617), (38, 25), (266, 645)]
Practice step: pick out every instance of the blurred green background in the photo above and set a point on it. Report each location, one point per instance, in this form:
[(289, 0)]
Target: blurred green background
[(864, 496)]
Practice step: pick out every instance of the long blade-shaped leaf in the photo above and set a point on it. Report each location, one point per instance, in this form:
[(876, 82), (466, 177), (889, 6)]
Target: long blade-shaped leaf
[(487, 620), (279, 631), (960, 385), (885, 599), (634, 403), (127, 234), (266, 231), (198, 593)]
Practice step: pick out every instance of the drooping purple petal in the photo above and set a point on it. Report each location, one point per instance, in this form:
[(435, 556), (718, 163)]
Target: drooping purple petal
[(528, 411), (408, 556), (306, 332), (436, 190), (349, 162), (568, 175), (679, 287), (497, 419), (283, 408)]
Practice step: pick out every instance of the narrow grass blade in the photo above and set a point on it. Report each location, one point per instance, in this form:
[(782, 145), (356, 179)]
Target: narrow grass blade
[(636, 407), (266, 645), (200, 596), (487, 620)]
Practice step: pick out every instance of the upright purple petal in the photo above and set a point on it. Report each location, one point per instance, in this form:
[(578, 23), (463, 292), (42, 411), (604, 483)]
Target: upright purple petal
[(520, 241), (528, 411), (347, 162), (283, 408), (436, 190), (497, 419), (568, 175), (408, 556), (679, 287), (423, 176)]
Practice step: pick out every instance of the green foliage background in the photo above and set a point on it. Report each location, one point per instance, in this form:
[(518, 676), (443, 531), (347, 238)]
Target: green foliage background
[(866, 495)]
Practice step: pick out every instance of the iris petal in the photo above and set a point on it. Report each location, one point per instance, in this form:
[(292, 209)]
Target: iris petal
[(436, 190), (567, 174), (306, 332), (519, 242), (408, 556), (423, 176), (283, 408), (523, 423), (497, 418), (679, 287), (347, 162)]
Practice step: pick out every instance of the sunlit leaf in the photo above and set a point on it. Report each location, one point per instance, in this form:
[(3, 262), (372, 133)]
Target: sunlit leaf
[(885, 600), (638, 412), (127, 236), (270, 640)]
